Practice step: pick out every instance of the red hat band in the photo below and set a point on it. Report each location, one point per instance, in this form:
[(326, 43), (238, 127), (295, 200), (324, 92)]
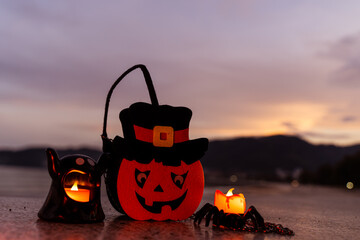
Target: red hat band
[(161, 136)]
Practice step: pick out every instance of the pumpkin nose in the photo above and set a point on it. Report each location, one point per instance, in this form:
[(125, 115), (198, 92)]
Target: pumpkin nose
[(158, 189)]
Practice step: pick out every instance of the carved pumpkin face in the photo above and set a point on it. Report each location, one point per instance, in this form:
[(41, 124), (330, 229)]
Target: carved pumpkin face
[(158, 192)]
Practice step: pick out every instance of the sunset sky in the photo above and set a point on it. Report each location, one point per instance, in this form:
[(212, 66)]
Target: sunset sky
[(245, 68)]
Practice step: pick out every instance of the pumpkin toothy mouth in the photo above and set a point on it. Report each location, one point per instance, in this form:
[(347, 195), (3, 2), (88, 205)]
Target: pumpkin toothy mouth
[(157, 206)]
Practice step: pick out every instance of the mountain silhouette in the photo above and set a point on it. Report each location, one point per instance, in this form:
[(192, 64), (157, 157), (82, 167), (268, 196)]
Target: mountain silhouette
[(35, 157), (264, 155), (250, 155)]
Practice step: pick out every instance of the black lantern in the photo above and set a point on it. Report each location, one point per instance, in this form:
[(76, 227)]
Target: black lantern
[(74, 194)]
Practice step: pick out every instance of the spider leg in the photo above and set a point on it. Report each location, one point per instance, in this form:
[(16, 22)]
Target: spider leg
[(255, 216), (219, 219), (199, 215), (216, 218), (214, 211)]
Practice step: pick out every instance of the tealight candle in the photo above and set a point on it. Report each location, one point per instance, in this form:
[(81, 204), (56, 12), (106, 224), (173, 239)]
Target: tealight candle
[(230, 203), (80, 195)]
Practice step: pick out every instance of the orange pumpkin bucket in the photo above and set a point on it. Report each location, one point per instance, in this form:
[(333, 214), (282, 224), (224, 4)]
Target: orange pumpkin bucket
[(154, 171)]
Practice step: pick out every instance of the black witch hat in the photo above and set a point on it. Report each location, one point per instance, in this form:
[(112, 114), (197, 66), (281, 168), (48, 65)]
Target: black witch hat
[(153, 131)]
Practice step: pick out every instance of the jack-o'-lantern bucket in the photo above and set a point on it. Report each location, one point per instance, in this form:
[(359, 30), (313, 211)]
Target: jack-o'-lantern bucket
[(154, 171)]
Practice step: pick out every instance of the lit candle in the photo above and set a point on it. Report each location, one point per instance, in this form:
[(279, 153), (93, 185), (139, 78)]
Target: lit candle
[(230, 203), (80, 195)]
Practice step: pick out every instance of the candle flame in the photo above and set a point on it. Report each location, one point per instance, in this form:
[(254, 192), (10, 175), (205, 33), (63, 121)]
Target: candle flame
[(74, 187), (229, 193), (230, 203)]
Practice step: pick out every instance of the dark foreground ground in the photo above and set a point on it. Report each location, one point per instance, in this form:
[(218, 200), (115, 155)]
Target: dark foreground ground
[(312, 212)]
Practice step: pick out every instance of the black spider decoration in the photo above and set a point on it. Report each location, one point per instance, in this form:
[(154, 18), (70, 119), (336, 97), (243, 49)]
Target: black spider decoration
[(250, 221)]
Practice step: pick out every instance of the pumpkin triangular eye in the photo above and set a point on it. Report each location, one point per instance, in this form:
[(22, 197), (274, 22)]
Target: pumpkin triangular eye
[(179, 179), (140, 177)]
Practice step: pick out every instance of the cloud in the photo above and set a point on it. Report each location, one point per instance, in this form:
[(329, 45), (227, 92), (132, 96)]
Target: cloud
[(290, 126), (347, 51), (225, 61), (314, 135), (349, 119), (319, 135), (324, 136)]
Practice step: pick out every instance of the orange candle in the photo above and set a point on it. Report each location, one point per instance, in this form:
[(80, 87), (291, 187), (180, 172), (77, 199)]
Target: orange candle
[(230, 203), (79, 195)]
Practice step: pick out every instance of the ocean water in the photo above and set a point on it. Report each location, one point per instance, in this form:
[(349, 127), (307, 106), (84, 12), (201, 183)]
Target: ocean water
[(23, 182)]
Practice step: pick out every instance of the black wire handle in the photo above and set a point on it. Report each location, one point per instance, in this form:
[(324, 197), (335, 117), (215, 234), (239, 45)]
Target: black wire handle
[(150, 87)]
